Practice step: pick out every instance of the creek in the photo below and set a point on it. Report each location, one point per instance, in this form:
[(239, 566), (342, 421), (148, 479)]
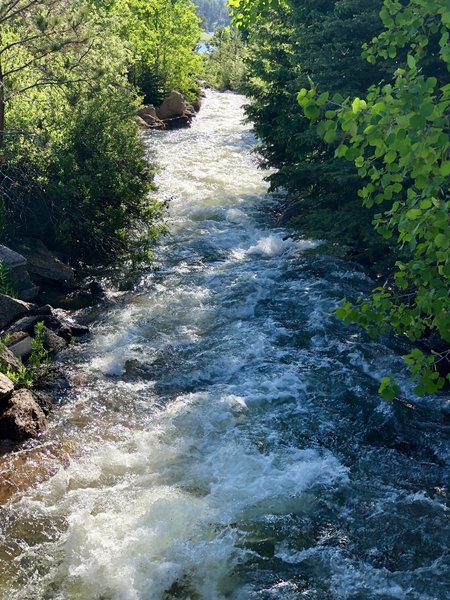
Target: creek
[(227, 437)]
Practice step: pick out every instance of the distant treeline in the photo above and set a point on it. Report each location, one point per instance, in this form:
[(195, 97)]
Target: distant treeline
[(213, 13)]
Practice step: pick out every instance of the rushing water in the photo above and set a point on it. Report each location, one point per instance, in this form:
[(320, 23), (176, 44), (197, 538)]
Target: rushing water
[(227, 437)]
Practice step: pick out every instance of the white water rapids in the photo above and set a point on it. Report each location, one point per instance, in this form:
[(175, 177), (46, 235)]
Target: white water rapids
[(227, 437)]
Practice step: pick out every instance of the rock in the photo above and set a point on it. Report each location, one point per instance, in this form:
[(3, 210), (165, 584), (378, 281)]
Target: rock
[(197, 104), (43, 265), (28, 324), (79, 330), (25, 324), (140, 121), (23, 417), (12, 259), (8, 359), (6, 388), (45, 310), (178, 122), (147, 111), (22, 470), (65, 332), (173, 106), (52, 322), (20, 344), (20, 278), (53, 342), (153, 123), (44, 400), (148, 115), (11, 308)]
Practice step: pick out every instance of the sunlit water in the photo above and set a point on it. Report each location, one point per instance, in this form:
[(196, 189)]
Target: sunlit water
[(228, 440)]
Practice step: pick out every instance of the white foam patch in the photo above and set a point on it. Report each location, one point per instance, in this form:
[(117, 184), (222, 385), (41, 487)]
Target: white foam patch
[(272, 245)]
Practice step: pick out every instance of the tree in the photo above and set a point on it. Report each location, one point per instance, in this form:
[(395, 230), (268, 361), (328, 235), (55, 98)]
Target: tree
[(292, 45), (225, 61), (398, 138), (34, 34)]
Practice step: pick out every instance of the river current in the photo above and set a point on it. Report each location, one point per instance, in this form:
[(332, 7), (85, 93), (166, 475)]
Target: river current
[(226, 434)]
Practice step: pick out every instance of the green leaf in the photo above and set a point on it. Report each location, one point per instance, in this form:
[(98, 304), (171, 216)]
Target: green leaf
[(414, 213), (411, 62), (356, 105)]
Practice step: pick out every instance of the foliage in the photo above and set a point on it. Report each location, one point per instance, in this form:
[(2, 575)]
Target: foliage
[(98, 182), (72, 164), (245, 13), (6, 285), (398, 139), (293, 45), (225, 67), (36, 368), (162, 36)]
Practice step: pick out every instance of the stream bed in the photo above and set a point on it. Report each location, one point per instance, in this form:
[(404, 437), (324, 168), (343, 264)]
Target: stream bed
[(226, 436)]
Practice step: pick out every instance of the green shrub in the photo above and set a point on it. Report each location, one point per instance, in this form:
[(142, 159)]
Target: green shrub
[(37, 365), (6, 285)]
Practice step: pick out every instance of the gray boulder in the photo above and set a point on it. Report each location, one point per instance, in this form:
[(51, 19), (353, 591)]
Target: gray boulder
[(22, 418), (20, 344), (43, 265), (53, 342), (6, 388), (8, 359), (20, 278), (10, 309)]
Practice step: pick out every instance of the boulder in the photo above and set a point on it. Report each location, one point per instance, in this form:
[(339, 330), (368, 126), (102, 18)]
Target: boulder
[(22, 418), (53, 342), (45, 310), (173, 106), (197, 104), (142, 123), (25, 324), (20, 344), (79, 330), (43, 265), (178, 122), (20, 278), (6, 388), (10, 309), (44, 400), (28, 324), (148, 115), (147, 111), (7, 358)]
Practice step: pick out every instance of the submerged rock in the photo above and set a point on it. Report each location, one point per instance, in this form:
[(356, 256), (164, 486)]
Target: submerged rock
[(22, 418), (24, 469), (178, 122)]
